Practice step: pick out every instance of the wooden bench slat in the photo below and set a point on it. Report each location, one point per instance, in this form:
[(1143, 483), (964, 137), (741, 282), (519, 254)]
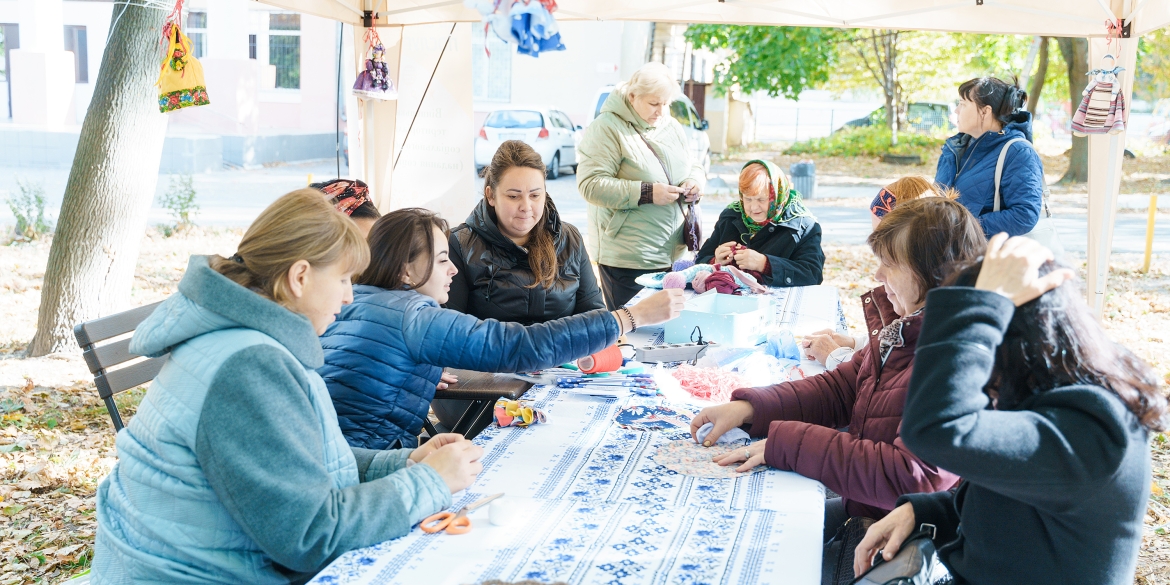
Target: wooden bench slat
[(130, 376), (91, 332), (108, 355)]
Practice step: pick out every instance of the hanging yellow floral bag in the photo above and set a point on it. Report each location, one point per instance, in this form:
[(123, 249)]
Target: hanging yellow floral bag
[(180, 82)]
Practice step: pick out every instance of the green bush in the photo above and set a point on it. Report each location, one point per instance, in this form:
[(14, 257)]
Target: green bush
[(179, 200), (869, 141), (29, 210)]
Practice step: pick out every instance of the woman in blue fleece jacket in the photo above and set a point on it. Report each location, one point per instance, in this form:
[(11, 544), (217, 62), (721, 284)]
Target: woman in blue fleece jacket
[(1020, 392), (233, 470), (991, 114), (386, 352)]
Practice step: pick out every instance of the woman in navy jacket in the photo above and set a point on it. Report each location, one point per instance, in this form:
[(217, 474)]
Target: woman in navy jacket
[(1046, 420), (386, 352), (990, 115)]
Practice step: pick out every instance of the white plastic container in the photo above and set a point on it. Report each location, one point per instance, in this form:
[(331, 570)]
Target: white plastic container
[(726, 319)]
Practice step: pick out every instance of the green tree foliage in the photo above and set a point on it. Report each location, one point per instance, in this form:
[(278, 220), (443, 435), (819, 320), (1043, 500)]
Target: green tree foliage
[(1153, 65), (778, 60)]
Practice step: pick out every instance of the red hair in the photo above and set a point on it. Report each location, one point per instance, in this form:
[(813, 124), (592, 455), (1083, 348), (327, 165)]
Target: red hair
[(754, 179)]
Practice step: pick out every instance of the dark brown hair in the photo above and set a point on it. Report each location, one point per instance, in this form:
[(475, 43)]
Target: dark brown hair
[(542, 250), (398, 239), (929, 236), (1054, 341), (1004, 98), (301, 225)]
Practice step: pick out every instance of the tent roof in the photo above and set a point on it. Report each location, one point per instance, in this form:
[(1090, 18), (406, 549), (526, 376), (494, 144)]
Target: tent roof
[(1077, 18)]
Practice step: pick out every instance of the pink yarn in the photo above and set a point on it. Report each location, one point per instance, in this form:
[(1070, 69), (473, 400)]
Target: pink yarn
[(674, 280), (710, 384), (700, 281), (722, 282)]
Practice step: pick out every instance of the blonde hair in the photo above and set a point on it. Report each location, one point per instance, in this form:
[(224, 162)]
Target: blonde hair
[(912, 187), (301, 225), (651, 79)]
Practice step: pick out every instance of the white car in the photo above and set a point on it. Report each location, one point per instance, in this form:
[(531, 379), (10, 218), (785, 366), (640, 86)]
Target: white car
[(548, 131), (682, 110)]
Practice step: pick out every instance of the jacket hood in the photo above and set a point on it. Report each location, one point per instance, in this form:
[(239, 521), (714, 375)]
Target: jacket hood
[(617, 103), (1020, 126), (208, 301), (482, 221)]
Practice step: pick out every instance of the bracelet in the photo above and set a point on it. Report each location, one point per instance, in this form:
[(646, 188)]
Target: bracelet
[(630, 316)]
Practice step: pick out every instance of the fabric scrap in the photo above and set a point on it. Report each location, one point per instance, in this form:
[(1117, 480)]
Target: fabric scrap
[(513, 413), (653, 418), (736, 436), (686, 457)]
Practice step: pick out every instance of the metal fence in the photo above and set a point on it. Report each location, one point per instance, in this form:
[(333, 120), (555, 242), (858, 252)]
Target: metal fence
[(284, 51)]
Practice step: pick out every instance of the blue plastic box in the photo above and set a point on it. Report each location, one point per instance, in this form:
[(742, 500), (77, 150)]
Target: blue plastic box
[(726, 319)]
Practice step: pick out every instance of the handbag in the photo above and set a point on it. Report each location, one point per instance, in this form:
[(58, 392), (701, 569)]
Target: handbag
[(1045, 230), (837, 563), (915, 564), (692, 223), (180, 80)]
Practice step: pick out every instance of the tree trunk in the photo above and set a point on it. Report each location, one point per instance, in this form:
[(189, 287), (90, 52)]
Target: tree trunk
[(111, 184), (890, 46), (1076, 56), (1037, 84)]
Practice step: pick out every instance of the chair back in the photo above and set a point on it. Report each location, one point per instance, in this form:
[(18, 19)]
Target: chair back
[(114, 368)]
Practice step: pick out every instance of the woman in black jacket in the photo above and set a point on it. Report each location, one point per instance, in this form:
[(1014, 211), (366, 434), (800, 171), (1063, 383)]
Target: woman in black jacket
[(1020, 392), (768, 233), (517, 260)]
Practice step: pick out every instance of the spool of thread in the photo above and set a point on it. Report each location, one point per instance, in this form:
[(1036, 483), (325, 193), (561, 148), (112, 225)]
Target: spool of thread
[(674, 280), (606, 360), (681, 265), (501, 512)]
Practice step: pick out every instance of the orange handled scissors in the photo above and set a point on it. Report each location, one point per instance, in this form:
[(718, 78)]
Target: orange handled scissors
[(454, 522)]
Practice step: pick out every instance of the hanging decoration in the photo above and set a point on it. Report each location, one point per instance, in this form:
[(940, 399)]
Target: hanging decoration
[(374, 81), (529, 24), (1103, 109), (180, 79)]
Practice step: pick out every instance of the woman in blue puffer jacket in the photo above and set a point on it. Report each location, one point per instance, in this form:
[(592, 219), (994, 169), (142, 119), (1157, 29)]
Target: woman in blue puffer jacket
[(386, 352), (990, 115)]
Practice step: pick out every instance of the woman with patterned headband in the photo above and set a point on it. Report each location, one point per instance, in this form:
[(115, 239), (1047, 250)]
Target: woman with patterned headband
[(351, 197)]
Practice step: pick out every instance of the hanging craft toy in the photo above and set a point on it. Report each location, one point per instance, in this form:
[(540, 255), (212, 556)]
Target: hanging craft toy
[(1103, 111), (180, 79), (374, 82), (529, 24)]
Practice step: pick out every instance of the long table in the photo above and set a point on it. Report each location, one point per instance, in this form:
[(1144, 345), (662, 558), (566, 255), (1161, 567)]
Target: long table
[(591, 506)]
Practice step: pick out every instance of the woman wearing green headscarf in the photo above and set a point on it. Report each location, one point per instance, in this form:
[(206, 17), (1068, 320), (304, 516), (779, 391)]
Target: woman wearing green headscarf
[(768, 233)]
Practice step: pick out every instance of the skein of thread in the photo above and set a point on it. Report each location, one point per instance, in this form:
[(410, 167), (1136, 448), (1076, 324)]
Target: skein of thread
[(722, 282), (606, 360), (681, 265), (674, 280), (699, 283)]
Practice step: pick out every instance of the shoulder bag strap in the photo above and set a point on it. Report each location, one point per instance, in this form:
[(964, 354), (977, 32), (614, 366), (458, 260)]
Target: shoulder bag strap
[(999, 169)]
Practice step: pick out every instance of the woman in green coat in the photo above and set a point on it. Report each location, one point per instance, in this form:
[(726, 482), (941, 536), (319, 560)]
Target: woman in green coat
[(634, 171)]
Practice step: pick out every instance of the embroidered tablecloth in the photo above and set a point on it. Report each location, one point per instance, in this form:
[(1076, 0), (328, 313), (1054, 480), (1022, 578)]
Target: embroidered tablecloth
[(593, 507)]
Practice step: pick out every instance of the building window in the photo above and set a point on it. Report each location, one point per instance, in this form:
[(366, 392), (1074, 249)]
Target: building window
[(251, 46), (284, 49), (491, 76), (197, 32), (75, 42)]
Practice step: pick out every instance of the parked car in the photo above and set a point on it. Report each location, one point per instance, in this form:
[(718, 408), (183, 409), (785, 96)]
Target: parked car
[(682, 110), (548, 131), (921, 117)]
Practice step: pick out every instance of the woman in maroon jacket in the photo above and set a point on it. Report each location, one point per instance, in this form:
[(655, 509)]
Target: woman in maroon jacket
[(867, 463)]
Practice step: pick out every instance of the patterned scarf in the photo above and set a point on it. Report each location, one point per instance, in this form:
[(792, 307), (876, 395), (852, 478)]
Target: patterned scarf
[(883, 203), (779, 211), (345, 195), (891, 336)]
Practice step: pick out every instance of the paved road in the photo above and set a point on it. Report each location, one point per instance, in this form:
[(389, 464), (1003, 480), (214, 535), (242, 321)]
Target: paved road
[(235, 198)]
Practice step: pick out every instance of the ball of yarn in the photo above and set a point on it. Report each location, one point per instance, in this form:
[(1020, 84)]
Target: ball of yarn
[(699, 283), (681, 265), (722, 282), (674, 280)]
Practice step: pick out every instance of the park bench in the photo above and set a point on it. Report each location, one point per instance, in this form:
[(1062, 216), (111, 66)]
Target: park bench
[(105, 344)]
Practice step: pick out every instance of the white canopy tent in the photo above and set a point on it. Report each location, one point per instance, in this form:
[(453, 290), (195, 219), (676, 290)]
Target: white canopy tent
[(413, 30)]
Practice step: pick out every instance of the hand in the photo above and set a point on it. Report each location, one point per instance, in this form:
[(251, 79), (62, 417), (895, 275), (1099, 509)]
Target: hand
[(690, 190), (666, 194), (725, 417), (724, 253), (840, 339), (748, 259), (433, 445), (886, 535), (1011, 268), (659, 307), (446, 380), (818, 346), (752, 456), (457, 463)]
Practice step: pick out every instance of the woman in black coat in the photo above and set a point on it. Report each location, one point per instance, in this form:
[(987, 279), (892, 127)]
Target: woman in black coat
[(768, 233), (1019, 391), (517, 260)]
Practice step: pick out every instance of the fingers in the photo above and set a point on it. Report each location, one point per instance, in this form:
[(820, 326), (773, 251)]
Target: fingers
[(897, 537), (445, 439), (866, 549), (722, 425), (696, 423), (1054, 279), (755, 461), (995, 243)]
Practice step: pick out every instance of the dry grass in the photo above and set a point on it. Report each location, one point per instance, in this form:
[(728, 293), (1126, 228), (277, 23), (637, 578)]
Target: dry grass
[(56, 442)]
